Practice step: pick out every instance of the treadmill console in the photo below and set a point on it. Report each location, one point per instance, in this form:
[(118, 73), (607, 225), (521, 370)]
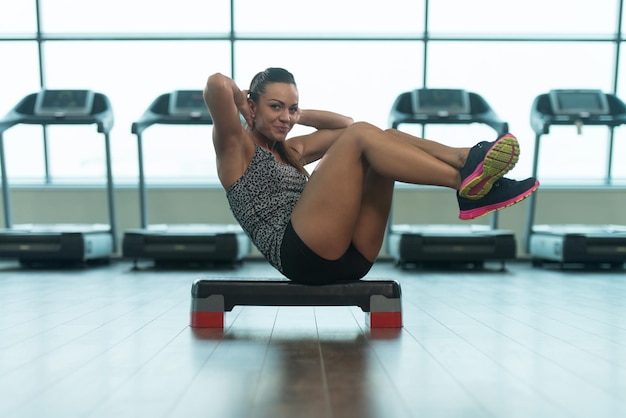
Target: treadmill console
[(583, 103), (188, 103), (61, 103), (440, 102)]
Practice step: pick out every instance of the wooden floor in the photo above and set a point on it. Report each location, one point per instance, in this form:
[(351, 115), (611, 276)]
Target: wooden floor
[(113, 342)]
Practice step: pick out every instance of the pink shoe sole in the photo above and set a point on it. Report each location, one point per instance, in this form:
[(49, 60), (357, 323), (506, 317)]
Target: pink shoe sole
[(484, 210)]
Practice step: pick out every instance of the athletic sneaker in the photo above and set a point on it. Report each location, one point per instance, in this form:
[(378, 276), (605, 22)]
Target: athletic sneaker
[(486, 163), (505, 192)]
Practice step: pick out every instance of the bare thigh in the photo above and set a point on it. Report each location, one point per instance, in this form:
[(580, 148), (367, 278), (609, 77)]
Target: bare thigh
[(371, 225), (327, 214)]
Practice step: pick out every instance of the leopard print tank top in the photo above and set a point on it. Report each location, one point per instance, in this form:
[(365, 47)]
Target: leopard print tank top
[(262, 201)]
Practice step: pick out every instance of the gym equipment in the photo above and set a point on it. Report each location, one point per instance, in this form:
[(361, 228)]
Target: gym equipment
[(179, 244), (35, 244), (379, 299), (447, 244), (575, 244)]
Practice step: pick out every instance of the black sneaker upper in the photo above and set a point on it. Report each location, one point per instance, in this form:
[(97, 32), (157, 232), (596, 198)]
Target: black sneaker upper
[(505, 192)]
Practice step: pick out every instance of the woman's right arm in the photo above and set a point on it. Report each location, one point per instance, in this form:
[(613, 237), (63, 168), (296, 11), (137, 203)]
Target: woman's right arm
[(225, 102), (224, 99)]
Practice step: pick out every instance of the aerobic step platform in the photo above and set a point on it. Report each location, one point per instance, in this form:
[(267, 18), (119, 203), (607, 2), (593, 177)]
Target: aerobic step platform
[(379, 299)]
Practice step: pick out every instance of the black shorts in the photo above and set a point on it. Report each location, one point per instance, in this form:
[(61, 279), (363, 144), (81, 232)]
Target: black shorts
[(300, 264)]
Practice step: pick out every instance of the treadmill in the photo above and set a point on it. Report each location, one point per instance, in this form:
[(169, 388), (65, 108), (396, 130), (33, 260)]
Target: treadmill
[(59, 244), (446, 245), (573, 245), (182, 244)]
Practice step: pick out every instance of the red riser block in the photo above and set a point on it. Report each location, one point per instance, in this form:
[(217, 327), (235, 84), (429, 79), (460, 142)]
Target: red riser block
[(207, 319), (385, 319)]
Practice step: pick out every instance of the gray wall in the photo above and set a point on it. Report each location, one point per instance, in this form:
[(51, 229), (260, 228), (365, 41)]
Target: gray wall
[(425, 205)]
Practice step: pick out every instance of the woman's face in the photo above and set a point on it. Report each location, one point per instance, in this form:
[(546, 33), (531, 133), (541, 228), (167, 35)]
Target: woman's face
[(276, 111)]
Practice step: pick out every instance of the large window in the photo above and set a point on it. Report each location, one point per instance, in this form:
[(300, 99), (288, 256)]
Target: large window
[(352, 56)]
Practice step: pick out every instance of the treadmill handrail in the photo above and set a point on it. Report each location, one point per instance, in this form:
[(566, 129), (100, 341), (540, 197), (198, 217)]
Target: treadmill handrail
[(541, 116), (158, 114), (481, 112), (24, 113)]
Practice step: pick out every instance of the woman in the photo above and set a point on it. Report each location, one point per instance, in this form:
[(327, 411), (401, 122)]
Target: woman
[(330, 226)]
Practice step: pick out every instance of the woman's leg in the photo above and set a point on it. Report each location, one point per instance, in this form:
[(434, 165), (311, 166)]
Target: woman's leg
[(371, 224), (348, 196), (480, 166), (456, 157)]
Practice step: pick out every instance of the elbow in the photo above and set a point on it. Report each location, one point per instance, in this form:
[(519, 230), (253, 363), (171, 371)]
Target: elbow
[(214, 83), (215, 79), (344, 122)]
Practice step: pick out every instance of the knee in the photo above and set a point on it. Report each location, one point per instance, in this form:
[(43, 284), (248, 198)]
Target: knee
[(361, 125), (361, 129), (361, 133)]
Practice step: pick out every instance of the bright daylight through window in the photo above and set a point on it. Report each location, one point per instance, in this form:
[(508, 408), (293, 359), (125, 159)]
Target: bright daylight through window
[(114, 47)]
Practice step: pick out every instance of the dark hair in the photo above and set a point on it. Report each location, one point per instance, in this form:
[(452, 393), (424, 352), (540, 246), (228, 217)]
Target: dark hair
[(270, 75), (257, 87)]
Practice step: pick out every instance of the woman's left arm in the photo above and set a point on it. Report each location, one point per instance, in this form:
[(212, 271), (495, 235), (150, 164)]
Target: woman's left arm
[(322, 119), (329, 127)]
